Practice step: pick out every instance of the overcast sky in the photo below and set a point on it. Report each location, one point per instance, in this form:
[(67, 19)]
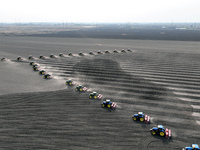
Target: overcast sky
[(100, 11)]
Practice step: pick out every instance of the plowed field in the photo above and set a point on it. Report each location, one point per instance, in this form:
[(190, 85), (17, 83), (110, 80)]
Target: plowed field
[(159, 78)]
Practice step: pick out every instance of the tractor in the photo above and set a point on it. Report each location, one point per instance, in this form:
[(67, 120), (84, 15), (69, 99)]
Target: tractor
[(42, 72), (48, 76), (99, 52), (193, 147), (107, 103), (123, 51), (36, 68), (32, 63), (4, 59), (141, 117), (91, 53), (61, 55), (20, 58), (31, 57), (42, 56), (160, 130), (81, 88), (115, 51), (81, 54), (70, 82), (52, 56), (95, 95), (129, 50), (70, 54)]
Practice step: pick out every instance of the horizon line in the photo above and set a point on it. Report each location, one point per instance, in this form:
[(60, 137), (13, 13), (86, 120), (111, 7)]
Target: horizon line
[(100, 22)]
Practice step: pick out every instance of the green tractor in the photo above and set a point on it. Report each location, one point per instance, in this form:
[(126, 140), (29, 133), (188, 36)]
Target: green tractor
[(95, 95)]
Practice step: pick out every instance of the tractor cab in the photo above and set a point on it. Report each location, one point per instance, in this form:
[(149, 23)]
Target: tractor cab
[(108, 101), (193, 147), (80, 86), (140, 114), (93, 94), (161, 128)]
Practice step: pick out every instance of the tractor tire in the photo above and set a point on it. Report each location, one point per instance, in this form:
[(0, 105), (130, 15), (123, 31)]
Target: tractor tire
[(103, 105), (76, 89), (162, 134), (141, 119), (90, 97), (134, 118), (95, 97), (66, 83), (108, 106), (153, 132), (81, 90), (70, 83)]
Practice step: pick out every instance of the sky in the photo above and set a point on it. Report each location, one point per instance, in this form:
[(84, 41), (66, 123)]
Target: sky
[(100, 11)]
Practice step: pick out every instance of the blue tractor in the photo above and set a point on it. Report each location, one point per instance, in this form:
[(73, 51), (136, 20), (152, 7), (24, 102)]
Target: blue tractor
[(160, 130), (107, 103), (91, 53), (141, 117), (193, 147)]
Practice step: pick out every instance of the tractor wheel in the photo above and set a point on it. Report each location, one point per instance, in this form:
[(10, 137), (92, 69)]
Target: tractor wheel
[(70, 83), (76, 89), (153, 132), (162, 133), (90, 97), (103, 105), (108, 105), (81, 89), (95, 97), (134, 118), (66, 83), (141, 119)]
